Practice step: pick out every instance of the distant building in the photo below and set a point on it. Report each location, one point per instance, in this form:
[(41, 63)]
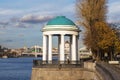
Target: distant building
[(84, 53), (36, 49), (67, 47), (3, 49), (55, 50)]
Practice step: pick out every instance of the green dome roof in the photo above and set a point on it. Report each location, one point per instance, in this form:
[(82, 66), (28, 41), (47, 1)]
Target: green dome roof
[(60, 20), (60, 23)]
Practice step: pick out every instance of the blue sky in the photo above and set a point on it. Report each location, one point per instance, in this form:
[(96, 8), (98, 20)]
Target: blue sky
[(22, 20)]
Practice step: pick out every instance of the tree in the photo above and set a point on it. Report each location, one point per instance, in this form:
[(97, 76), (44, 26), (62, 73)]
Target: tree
[(116, 28), (106, 39), (89, 12), (117, 45)]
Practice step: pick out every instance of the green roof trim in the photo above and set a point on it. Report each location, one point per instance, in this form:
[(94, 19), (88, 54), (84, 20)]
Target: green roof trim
[(67, 28), (60, 20), (60, 29)]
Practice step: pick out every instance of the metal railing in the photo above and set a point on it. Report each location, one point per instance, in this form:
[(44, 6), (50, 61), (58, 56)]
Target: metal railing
[(57, 64)]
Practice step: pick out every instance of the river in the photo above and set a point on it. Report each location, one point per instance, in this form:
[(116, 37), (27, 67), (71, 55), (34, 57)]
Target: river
[(16, 68)]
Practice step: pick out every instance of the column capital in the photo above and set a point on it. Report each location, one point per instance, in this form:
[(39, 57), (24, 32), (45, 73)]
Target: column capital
[(74, 35), (50, 34), (62, 34), (44, 35)]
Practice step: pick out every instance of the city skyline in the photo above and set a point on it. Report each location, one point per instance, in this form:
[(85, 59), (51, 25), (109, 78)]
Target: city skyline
[(21, 21)]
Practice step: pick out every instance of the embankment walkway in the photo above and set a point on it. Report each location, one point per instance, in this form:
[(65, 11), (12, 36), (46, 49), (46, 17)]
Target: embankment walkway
[(108, 71)]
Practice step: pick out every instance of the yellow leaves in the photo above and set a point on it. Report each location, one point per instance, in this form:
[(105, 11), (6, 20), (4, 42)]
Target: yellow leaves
[(106, 36), (117, 45)]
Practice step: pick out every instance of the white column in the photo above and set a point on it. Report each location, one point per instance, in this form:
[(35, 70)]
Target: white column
[(59, 40), (44, 47), (50, 48), (62, 48), (74, 56), (70, 48), (77, 39)]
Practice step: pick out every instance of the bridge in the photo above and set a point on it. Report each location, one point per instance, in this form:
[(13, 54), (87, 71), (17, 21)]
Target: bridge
[(36, 54), (32, 54)]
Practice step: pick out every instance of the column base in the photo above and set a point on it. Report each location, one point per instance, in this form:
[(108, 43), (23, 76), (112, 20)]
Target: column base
[(44, 62), (49, 62), (73, 62), (61, 62)]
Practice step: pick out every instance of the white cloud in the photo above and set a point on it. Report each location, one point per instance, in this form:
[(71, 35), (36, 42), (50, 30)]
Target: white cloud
[(1, 32), (35, 18), (114, 12), (37, 14), (9, 11), (4, 23), (20, 25)]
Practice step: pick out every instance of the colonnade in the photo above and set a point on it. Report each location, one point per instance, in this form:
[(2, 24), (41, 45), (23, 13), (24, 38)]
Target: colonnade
[(47, 47)]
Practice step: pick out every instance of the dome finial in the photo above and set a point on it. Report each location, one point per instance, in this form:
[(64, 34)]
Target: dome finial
[(60, 17)]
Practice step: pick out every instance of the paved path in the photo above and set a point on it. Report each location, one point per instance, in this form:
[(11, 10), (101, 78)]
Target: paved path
[(109, 72)]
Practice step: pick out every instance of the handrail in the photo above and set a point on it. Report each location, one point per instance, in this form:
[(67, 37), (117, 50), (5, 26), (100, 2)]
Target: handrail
[(57, 64)]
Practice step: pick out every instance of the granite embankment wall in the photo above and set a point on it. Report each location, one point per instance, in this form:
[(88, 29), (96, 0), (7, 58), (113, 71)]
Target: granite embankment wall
[(90, 71), (65, 73), (62, 74)]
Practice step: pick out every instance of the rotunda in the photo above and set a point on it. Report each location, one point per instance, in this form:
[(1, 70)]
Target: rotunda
[(60, 26)]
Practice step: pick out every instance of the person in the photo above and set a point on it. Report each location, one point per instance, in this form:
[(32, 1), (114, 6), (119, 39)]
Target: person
[(106, 57), (118, 56), (68, 61)]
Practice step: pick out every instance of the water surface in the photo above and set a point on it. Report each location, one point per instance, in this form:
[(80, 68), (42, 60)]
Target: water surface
[(16, 68)]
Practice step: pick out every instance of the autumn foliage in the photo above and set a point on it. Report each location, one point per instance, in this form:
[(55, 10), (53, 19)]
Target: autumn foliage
[(99, 36)]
